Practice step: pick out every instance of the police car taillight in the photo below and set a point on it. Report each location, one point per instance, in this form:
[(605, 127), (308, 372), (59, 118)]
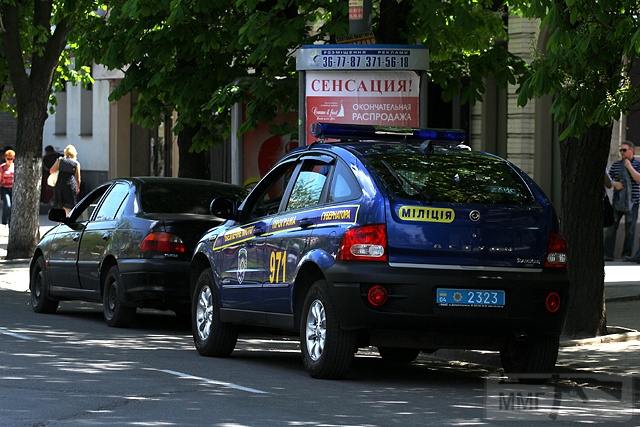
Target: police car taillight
[(165, 243), (556, 252), (365, 243)]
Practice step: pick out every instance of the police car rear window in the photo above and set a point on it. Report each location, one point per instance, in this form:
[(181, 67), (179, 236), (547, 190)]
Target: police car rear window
[(446, 176), (183, 197)]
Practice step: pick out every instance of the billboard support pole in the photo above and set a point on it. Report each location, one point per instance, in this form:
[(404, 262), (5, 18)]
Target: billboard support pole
[(236, 144), (424, 97), (302, 110)]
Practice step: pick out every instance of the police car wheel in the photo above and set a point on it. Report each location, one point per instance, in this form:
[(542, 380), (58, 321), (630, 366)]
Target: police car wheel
[(40, 300), (210, 336), (327, 350), (398, 355), (116, 312), (532, 355)]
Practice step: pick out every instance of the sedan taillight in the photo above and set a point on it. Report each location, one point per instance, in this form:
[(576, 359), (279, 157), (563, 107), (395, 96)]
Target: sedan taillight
[(556, 252), (165, 243), (365, 243)]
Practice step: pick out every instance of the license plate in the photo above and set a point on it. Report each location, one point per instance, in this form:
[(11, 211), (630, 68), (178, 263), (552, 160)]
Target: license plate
[(446, 297)]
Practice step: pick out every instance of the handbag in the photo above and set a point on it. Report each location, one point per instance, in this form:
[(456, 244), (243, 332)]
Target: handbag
[(607, 211), (52, 179)]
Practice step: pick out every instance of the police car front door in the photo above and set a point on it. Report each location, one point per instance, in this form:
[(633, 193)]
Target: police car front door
[(290, 231), (237, 260)]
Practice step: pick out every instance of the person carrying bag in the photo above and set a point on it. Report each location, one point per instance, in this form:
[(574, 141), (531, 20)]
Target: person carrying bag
[(625, 176)]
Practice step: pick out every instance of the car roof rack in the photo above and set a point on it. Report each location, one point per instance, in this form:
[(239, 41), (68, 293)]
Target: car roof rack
[(352, 132)]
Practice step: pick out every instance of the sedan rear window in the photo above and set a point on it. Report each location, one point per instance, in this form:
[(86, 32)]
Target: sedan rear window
[(446, 176), (182, 197)]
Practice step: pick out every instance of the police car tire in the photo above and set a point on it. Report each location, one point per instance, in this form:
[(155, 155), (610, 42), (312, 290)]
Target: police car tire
[(223, 336), (340, 345), (398, 355), (534, 355), (39, 287), (121, 314)]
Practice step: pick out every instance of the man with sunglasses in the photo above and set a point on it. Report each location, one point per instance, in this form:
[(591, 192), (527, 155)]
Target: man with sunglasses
[(626, 169)]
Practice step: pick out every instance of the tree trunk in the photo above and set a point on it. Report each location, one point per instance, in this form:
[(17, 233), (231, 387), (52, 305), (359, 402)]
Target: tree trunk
[(583, 164), (24, 232), (190, 164)]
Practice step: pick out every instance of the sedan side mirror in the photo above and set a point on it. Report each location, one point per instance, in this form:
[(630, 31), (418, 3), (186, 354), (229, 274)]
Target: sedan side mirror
[(224, 208), (58, 215)]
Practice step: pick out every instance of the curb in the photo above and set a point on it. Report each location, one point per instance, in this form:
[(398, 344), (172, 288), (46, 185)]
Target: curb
[(629, 335), (17, 261), (623, 299)]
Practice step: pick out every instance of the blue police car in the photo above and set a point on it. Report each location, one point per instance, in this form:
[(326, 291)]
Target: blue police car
[(402, 239)]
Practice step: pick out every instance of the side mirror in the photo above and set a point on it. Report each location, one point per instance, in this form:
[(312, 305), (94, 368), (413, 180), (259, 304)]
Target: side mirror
[(58, 215), (224, 208)]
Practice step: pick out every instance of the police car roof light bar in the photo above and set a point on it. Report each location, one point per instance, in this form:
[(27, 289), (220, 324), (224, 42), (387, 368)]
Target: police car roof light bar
[(346, 131)]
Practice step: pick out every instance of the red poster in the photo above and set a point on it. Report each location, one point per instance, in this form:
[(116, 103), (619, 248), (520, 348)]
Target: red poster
[(389, 98), (262, 149)]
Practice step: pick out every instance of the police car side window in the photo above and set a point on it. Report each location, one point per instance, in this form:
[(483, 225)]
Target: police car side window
[(267, 202), (344, 185), (307, 189)]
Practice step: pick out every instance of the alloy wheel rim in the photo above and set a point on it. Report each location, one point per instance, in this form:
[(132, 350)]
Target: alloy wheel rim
[(204, 313), (316, 330), (38, 286), (112, 296)]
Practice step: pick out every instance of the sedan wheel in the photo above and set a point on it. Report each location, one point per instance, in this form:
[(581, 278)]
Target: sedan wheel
[(117, 312), (41, 302)]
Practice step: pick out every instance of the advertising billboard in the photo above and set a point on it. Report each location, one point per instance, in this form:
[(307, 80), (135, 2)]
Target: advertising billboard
[(389, 98)]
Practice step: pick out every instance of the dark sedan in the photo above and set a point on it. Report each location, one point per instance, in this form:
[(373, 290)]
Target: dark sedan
[(127, 244)]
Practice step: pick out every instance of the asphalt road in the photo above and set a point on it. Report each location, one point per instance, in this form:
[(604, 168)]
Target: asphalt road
[(71, 369)]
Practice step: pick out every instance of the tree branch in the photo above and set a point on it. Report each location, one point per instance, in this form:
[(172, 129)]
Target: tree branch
[(42, 14), (13, 51), (44, 66), (56, 43)]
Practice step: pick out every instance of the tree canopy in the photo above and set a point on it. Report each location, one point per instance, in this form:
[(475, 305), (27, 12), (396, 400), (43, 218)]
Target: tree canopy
[(200, 57), (585, 64)]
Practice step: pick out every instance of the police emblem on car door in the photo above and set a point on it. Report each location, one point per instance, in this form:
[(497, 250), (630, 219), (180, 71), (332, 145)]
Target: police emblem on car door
[(242, 264)]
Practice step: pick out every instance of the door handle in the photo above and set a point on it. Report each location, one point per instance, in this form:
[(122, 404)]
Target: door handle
[(106, 235), (259, 231), (305, 223), (76, 236)]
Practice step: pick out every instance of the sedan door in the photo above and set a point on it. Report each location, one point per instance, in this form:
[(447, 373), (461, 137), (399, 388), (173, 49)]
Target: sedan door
[(63, 255), (97, 236)]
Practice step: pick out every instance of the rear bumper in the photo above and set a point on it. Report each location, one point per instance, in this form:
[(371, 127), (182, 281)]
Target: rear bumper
[(160, 283), (411, 316)]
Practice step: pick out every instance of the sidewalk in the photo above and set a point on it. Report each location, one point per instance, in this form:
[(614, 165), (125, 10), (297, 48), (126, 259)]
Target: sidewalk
[(619, 356), (14, 274)]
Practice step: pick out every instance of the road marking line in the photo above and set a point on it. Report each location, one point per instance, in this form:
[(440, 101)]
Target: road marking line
[(209, 381), (4, 331)]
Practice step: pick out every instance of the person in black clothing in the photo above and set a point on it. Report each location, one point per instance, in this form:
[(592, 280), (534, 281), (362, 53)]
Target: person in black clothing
[(49, 158), (68, 184)]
